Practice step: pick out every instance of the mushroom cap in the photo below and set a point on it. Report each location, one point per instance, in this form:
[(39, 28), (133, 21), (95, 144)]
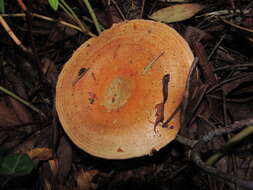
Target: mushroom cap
[(107, 94)]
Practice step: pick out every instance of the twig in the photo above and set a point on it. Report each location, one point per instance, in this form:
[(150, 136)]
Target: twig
[(223, 13), (35, 58), (118, 9), (152, 63), (236, 26), (243, 100), (197, 144), (18, 98), (230, 144), (142, 8), (186, 141), (224, 105), (226, 81), (197, 104), (13, 36), (232, 67), (66, 8), (248, 6), (187, 92), (239, 181), (216, 47), (225, 130), (93, 16), (50, 19), (22, 5), (165, 124)]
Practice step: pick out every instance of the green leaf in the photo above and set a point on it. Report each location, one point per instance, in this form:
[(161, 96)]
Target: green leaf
[(16, 164), (54, 4), (2, 6)]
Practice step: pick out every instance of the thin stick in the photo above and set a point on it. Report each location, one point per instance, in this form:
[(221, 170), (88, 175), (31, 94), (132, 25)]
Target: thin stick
[(232, 67), (225, 82), (230, 144), (12, 35), (52, 20), (185, 100), (72, 15), (196, 157), (165, 124), (216, 47), (196, 145), (66, 11), (93, 16), (18, 98), (142, 8), (248, 184), (22, 5), (236, 26), (118, 9)]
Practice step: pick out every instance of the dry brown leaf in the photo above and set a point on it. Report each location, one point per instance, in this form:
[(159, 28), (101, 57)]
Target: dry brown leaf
[(64, 159), (49, 70), (21, 111), (176, 13), (84, 179), (40, 153), (8, 116), (53, 166)]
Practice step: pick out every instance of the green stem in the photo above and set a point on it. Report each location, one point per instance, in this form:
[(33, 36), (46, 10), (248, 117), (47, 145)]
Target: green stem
[(18, 98), (230, 144), (66, 8), (93, 16), (52, 20), (66, 11)]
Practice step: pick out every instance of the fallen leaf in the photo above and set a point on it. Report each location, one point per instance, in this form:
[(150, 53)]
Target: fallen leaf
[(8, 116), (64, 159), (18, 87), (21, 112), (84, 179), (49, 70), (176, 13), (205, 68), (16, 164), (40, 153), (53, 164), (194, 34), (27, 145)]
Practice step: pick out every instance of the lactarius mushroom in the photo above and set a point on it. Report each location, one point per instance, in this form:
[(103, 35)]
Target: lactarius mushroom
[(117, 89)]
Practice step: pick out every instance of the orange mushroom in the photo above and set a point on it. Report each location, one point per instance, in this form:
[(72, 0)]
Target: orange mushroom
[(114, 92)]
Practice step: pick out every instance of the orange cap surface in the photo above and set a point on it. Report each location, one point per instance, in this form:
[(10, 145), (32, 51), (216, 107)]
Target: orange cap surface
[(108, 93)]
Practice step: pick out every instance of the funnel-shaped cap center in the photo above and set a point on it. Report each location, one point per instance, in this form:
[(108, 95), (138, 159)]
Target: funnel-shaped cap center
[(117, 93)]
